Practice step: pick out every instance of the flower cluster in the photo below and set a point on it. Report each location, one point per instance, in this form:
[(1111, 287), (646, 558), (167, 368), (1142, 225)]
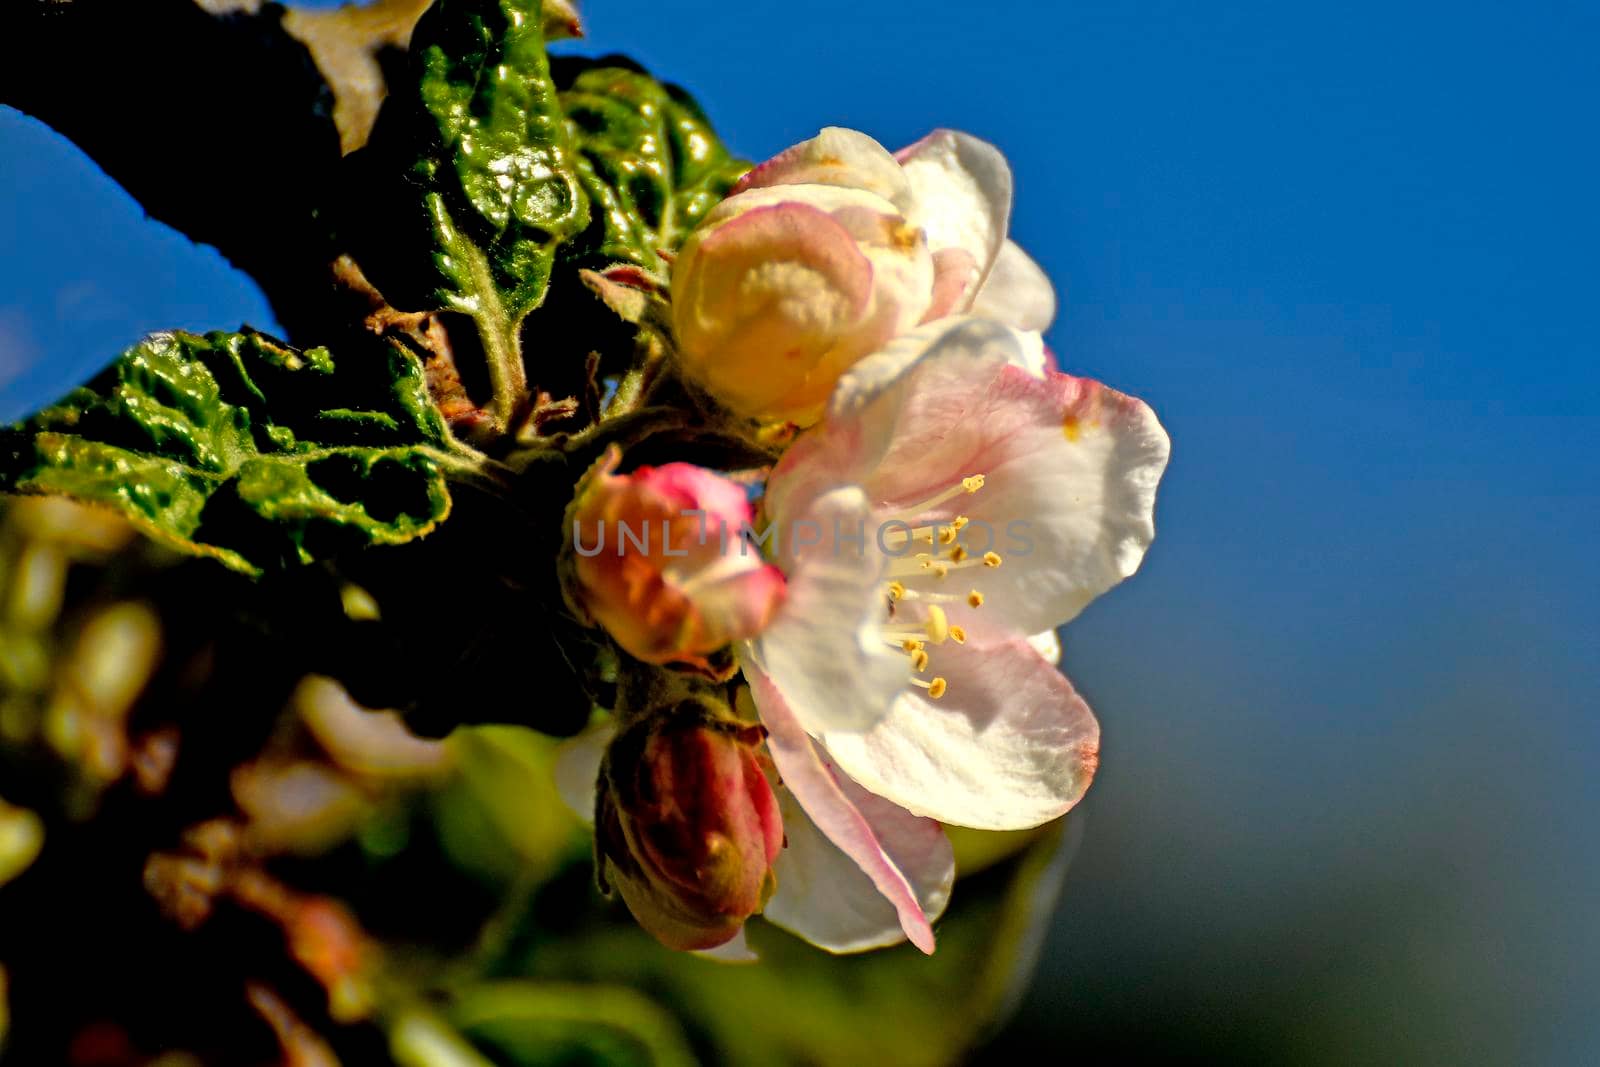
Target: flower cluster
[(881, 638)]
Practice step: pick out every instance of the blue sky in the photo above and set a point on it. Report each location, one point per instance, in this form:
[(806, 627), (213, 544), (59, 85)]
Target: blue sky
[(1348, 254)]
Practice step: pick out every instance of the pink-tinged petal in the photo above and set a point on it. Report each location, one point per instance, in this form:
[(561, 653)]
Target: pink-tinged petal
[(871, 406), (962, 188), (1009, 745), (1069, 495), (825, 898), (814, 870), (955, 273), (836, 156), (1071, 467), (1017, 292), (696, 488), (824, 648)]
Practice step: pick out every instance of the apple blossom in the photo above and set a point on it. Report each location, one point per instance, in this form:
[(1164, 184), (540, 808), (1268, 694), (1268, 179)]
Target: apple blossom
[(825, 253), (653, 557), (909, 662)]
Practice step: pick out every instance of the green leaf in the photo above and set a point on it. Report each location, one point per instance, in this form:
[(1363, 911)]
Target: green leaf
[(468, 186), (502, 191), (237, 447), (648, 159)]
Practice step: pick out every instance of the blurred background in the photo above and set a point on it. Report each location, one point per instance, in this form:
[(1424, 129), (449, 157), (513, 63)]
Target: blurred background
[(1345, 805)]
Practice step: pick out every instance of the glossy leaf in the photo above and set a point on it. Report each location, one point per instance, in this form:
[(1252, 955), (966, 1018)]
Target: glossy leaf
[(501, 188), (648, 159), (468, 185), (237, 447)]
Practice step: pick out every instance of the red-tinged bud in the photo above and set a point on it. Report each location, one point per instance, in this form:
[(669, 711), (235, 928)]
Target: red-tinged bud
[(686, 825), (656, 557)]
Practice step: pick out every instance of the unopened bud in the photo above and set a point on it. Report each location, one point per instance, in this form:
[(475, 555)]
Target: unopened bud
[(687, 826), (810, 265), (655, 557)]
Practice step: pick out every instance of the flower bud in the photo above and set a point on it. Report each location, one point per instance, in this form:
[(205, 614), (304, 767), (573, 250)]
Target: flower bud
[(687, 826), (657, 559), (811, 264)]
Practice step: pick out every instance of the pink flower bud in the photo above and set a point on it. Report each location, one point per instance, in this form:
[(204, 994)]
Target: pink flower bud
[(657, 559), (687, 827)]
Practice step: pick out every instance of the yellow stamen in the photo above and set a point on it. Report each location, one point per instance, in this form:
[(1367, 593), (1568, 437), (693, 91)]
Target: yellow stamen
[(919, 660), (967, 485), (991, 559), (958, 635), (896, 591), (912, 644), (958, 553), (975, 599)]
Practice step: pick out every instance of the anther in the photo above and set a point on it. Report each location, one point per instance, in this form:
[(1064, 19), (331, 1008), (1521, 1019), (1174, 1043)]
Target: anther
[(975, 599), (991, 559), (958, 635)]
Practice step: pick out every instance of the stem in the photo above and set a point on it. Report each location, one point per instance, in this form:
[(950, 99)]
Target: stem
[(626, 398), (502, 348), (470, 467)]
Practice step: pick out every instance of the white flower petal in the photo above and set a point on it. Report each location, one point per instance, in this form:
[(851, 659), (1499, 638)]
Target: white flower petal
[(838, 840), (836, 156), (1070, 467), (1048, 645), (962, 188), (824, 649), (1017, 291), (1069, 494), (1010, 744), (1031, 354), (825, 897), (735, 950), (577, 767)]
